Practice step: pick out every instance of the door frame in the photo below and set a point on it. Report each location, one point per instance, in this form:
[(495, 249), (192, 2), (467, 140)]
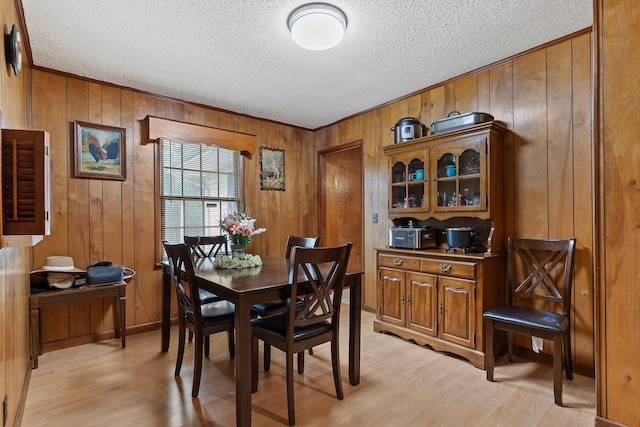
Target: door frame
[(321, 158)]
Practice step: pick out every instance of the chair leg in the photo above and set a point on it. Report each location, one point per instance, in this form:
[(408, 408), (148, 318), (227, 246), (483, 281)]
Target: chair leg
[(301, 363), (190, 336), (290, 406), (335, 361), (181, 343), (254, 364), (489, 356), (510, 346), (557, 369), (267, 357), (232, 344), (206, 346), (568, 364), (310, 351), (197, 365)]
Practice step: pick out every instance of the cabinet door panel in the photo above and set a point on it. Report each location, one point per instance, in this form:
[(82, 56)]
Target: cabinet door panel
[(459, 174), (422, 303), (407, 185), (392, 296), (457, 310)]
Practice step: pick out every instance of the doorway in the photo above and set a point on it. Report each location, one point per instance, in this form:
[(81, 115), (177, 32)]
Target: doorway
[(341, 200)]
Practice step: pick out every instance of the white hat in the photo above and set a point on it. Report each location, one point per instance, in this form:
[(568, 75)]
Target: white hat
[(62, 264)]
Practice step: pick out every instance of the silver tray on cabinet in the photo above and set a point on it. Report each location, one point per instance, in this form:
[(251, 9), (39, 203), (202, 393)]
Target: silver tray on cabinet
[(459, 121)]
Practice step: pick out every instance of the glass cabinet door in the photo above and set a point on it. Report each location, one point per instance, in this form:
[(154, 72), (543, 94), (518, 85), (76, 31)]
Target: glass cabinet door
[(408, 182), (458, 170)]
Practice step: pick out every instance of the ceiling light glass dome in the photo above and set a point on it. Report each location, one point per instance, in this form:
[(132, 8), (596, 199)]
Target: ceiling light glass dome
[(317, 26)]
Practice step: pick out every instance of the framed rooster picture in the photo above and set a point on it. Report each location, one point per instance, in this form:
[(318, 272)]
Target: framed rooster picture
[(271, 169), (99, 151)]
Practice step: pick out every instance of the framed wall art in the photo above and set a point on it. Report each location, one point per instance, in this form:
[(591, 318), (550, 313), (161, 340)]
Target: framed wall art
[(99, 151), (271, 169)]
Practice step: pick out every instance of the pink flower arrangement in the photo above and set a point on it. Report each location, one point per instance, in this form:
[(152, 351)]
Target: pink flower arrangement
[(240, 227)]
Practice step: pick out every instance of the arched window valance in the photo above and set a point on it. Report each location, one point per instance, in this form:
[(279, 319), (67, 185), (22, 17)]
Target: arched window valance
[(191, 133)]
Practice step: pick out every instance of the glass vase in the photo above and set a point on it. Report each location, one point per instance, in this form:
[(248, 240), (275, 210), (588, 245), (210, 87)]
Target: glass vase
[(238, 251)]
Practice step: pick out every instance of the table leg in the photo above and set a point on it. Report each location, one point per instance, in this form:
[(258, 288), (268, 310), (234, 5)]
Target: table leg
[(243, 362), (165, 324), (122, 318), (355, 323), (35, 337)]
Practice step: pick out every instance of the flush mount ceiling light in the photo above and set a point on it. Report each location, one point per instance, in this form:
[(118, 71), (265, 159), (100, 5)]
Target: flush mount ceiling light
[(317, 26)]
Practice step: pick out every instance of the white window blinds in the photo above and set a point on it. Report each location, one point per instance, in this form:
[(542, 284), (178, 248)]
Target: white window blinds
[(199, 186)]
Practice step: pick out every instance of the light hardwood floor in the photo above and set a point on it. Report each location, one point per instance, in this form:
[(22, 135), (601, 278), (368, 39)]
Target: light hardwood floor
[(402, 384)]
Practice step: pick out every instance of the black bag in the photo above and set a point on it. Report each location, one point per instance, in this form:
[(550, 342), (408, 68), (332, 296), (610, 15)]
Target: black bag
[(103, 274)]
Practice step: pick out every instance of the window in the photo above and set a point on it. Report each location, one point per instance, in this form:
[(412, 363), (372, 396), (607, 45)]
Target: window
[(199, 185)]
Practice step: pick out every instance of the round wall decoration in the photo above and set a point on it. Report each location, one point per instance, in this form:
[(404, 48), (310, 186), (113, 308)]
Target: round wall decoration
[(13, 49)]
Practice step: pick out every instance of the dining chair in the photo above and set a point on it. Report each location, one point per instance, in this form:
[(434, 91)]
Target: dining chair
[(280, 306), (200, 319), (203, 247), (206, 246), (539, 278), (317, 279)]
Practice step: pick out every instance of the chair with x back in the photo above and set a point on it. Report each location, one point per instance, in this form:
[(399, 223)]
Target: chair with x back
[(539, 277), (200, 319), (317, 279), (206, 246), (280, 306), (203, 247)]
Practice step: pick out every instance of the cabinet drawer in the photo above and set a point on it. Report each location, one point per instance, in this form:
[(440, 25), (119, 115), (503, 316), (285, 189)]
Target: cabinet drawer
[(399, 261), (465, 270)]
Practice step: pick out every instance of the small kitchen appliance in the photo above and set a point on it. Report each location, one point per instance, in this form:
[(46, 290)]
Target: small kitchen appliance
[(409, 128), (460, 238), (459, 121), (411, 238)]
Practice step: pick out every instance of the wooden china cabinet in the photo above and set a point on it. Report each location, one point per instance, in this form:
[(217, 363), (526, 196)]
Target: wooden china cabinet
[(436, 296)]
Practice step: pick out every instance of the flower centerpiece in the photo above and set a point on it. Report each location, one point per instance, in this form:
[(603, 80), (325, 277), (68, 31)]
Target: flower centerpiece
[(241, 228)]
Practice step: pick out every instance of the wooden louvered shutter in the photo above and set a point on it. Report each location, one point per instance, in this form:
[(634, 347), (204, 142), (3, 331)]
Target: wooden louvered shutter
[(25, 182)]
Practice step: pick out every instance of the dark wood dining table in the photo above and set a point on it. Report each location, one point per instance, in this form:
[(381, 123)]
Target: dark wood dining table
[(245, 287)]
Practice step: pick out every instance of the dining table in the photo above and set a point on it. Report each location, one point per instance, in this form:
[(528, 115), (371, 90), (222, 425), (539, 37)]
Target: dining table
[(246, 287)]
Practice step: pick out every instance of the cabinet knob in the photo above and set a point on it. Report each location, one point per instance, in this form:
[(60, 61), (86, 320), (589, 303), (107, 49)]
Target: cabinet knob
[(440, 306), (445, 268), (398, 261), (402, 299)]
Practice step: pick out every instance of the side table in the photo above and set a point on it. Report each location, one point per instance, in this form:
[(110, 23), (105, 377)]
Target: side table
[(70, 295)]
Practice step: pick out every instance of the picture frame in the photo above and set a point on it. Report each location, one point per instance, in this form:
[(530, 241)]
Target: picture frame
[(99, 151), (272, 169)]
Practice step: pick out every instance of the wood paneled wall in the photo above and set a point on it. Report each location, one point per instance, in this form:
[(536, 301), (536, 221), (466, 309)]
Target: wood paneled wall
[(96, 219), (15, 262), (618, 327), (544, 99)]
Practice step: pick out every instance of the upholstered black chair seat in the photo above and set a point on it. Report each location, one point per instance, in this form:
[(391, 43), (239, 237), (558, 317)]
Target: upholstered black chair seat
[(271, 308), (207, 297), (215, 312), (276, 326), (529, 317)]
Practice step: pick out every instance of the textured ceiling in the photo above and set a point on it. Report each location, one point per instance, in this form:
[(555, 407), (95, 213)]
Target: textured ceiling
[(239, 55)]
